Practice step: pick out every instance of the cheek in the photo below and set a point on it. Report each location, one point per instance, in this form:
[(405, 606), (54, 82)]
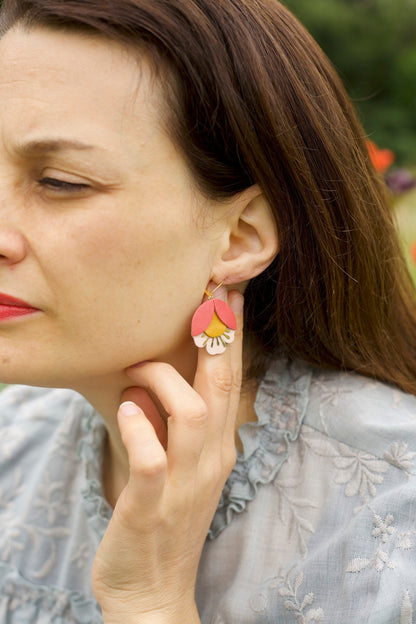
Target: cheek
[(123, 291), (145, 262), (98, 241), (124, 237), (84, 265), (97, 250)]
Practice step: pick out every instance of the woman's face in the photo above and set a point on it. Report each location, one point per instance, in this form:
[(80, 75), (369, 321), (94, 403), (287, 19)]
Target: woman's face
[(99, 224)]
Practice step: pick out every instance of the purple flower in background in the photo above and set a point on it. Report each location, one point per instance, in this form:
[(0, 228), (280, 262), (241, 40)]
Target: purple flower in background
[(400, 181)]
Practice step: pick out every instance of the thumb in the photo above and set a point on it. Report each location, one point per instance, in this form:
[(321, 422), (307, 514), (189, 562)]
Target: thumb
[(144, 401)]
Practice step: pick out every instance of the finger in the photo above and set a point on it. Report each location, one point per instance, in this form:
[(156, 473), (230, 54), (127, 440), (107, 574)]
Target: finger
[(140, 397), (147, 457), (187, 415), (236, 301), (218, 379)]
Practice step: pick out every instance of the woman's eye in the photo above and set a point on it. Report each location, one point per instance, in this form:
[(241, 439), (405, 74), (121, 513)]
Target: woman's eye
[(61, 186)]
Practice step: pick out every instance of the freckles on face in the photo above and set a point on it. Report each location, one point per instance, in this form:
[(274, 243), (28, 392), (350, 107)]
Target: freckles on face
[(105, 205)]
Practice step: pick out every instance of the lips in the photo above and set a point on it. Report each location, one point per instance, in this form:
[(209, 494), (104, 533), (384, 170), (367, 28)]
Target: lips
[(13, 301), (11, 307)]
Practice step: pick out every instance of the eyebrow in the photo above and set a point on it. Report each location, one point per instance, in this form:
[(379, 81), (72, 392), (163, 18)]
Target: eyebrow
[(35, 148), (39, 146)]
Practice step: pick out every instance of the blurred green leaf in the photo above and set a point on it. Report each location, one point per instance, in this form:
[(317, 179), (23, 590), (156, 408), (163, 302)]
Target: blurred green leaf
[(372, 45)]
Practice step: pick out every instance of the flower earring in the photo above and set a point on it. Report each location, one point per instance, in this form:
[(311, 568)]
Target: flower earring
[(213, 324)]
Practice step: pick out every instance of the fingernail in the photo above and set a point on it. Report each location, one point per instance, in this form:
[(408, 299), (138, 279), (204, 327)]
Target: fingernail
[(128, 408)]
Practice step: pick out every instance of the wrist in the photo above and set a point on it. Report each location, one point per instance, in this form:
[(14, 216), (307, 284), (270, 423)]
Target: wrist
[(178, 615)]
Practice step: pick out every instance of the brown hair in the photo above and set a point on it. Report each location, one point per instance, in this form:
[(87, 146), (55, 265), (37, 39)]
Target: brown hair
[(257, 101)]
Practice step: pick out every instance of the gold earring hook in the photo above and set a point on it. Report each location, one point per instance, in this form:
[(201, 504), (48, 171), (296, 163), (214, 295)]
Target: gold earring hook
[(210, 294)]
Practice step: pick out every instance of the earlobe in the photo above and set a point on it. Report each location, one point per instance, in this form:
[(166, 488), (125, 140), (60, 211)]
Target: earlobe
[(252, 242)]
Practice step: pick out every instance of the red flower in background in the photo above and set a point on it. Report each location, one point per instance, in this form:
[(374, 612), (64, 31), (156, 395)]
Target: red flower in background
[(382, 159), (413, 252)]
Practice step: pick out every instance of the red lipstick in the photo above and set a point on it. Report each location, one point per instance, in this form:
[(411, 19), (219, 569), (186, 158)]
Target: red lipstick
[(11, 307)]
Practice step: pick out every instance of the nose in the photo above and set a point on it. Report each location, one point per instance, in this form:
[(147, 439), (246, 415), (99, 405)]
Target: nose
[(12, 242), (12, 246)]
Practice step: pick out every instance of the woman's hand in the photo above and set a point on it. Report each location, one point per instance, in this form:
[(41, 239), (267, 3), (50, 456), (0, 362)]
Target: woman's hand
[(146, 566)]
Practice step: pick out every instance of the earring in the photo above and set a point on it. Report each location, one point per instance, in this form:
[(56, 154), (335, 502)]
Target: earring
[(213, 324)]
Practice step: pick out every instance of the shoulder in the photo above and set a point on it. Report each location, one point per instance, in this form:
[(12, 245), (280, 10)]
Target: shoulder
[(347, 492), (31, 418), (27, 403), (362, 413), (328, 475), (46, 545), (343, 406), (41, 431)]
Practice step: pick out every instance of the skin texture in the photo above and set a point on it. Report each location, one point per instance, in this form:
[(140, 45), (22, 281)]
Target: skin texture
[(115, 246)]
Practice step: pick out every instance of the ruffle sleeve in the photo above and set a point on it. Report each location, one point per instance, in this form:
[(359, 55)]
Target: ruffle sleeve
[(280, 406)]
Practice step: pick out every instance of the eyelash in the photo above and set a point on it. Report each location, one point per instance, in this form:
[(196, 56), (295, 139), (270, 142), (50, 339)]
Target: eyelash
[(60, 186)]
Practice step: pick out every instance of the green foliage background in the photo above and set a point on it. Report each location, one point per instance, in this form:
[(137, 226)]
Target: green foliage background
[(372, 43)]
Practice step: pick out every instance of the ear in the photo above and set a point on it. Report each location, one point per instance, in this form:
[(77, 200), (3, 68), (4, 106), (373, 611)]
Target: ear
[(250, 242)]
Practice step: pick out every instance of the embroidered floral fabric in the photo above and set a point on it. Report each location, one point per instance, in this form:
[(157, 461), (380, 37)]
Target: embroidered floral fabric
[(317, 522)]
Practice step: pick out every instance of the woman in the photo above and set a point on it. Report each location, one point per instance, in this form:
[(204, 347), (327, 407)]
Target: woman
[(157, 154)]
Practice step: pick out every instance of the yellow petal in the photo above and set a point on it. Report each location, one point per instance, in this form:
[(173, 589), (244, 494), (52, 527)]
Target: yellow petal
[(215, 328)]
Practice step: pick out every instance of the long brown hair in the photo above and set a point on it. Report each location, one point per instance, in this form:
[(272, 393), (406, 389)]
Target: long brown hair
[(254, 100)]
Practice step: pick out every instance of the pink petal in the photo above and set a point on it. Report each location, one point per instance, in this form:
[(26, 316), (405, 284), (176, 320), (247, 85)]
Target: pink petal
[(202, 317), (225, 314)]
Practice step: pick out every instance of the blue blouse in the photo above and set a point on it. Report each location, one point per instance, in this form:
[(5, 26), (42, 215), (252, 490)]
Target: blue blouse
[(316, 523)]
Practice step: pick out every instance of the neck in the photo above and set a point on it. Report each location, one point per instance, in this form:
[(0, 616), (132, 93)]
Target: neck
[(106, 394)]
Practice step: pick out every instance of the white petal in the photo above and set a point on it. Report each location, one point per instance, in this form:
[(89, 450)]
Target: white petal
[(200, 340), (231, 335), (215, 347)]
